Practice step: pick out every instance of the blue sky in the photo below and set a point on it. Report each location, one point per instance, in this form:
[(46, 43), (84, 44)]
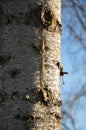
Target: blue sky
[(73, 58)]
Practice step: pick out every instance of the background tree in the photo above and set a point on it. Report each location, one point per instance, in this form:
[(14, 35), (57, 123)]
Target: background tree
[(73, 58), (30, 36)]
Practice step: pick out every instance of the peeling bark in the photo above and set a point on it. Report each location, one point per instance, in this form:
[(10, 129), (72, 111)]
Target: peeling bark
[(30, 37)]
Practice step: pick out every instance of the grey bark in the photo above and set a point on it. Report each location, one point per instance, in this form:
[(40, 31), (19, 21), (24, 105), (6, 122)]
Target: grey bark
[(29, 70)]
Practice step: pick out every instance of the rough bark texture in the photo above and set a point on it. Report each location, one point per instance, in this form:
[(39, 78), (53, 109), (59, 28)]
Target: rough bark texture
[(30, 36)]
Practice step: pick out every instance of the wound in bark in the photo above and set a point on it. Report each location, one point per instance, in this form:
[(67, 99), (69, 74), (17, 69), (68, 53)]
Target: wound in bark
[(58, 116), (58, 64), (17, 116), (29, 118), (14, 72), (45, 96), (59, 26), (37, 47), (3, 96), (14, 95), (59, 102), (48, 19), (4, 58), (1, 44)]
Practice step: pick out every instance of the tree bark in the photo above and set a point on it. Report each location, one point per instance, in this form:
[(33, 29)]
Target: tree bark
[(30, 37)]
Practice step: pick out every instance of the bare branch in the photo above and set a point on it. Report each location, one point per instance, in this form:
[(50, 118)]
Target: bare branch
[(81, 93), (70, 117), (65, 127), (78, 37), (78, 16)]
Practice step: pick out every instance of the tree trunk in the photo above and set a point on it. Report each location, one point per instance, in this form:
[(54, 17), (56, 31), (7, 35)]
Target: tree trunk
[(30, 36)]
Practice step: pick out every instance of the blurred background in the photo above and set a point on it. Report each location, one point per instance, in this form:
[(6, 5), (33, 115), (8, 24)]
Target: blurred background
[(73, 57)]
